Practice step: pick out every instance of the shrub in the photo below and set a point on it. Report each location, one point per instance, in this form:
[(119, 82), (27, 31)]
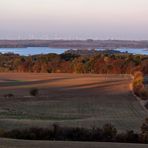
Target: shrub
[(121, 137), (138, 85), (144, 138), (109, 132), (34, 92), (2, 132), (143, 94), (144, 127), (132, 137), (97, 134), (9, 96), (138, 74), (144, 130)]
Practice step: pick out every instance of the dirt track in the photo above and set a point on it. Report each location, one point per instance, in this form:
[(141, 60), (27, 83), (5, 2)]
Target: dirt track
[(69, 99), (7, 143)]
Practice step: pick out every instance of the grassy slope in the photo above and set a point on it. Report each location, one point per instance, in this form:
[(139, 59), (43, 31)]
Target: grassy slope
[(73, 100), (8, 143)]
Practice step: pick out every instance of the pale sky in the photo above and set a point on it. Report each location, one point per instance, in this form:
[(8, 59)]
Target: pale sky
[(74, 19)]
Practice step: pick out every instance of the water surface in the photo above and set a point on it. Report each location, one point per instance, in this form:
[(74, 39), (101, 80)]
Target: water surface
[(33, 50), (134, 51), (46, 50)]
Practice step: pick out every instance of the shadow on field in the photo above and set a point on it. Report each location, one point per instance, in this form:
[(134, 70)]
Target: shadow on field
[(98, 84), (15, 83)]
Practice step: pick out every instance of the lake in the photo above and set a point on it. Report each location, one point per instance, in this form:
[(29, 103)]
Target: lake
[(33, 50), (46, 50), (134, 51)]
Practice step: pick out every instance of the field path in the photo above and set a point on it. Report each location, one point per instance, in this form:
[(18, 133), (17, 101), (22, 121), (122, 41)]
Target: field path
[(7, 143)]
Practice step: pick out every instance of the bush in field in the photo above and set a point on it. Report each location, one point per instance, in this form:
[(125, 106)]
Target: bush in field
[(138, 78), (138, 85), (128, 137), (138, 74), (97, 134), (132, 137), (138, 88), (144, 138), (9, 96), (34, 92), (2, 132), (144, 130), (109, 132), (144, 127), (144, 94)]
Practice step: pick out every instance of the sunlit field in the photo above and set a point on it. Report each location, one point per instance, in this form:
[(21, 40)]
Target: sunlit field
[(81, 100)]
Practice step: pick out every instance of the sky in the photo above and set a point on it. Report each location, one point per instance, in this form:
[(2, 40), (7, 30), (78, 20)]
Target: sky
[(74, 19)]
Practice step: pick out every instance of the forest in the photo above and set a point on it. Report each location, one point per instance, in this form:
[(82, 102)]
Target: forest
[(72, 63)]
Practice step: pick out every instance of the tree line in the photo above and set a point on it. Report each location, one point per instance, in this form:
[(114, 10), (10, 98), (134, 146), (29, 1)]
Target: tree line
[(108, 133), (71, 63)]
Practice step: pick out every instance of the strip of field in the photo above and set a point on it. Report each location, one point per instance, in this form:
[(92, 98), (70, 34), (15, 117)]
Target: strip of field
[(7, 143), (70, 100)]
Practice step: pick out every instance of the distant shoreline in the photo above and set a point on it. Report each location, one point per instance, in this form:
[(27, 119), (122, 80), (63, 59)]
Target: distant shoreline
[(105, 44)]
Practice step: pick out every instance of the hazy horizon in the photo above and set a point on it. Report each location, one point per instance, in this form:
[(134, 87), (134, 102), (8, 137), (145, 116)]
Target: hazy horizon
[(74, 19)]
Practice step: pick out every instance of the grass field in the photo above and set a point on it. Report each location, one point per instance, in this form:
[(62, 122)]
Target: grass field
[(7, 143), (69, 99)]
